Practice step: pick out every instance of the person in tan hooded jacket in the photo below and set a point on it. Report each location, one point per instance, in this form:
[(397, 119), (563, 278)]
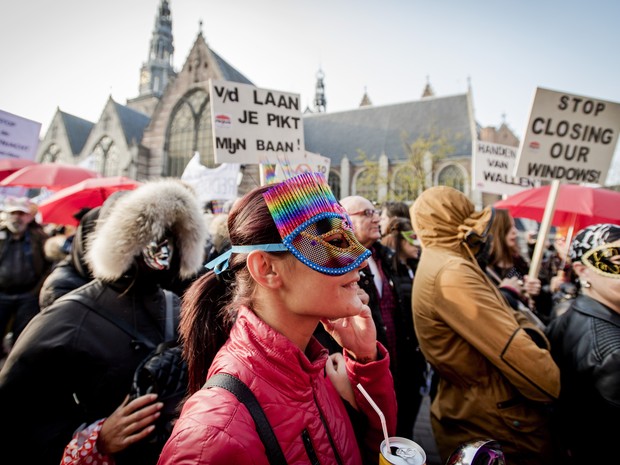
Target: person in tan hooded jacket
[(497, 376)]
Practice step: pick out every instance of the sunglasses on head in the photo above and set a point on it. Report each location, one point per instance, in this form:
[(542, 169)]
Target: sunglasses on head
[(369, 213)]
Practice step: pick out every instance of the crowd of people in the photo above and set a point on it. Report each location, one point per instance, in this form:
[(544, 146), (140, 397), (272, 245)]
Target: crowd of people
[(303, 297)]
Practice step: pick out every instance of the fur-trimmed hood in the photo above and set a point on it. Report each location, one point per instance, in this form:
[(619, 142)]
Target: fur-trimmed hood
[(141, 216)]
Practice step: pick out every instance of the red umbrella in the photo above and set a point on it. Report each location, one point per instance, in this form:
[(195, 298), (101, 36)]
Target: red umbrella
[(53, 176), (10, 165), (577, 206), (90, 193)]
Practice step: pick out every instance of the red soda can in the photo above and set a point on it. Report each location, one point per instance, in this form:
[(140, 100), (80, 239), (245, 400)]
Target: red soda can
[(402, 451)]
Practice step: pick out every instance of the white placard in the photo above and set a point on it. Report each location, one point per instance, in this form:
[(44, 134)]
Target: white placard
[(493, 168), (276, 170), (19, 137), (211, 184), (569, 138), (251, 123)]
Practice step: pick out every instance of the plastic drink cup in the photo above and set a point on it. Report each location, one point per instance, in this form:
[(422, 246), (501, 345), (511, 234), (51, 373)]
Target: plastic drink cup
[(402, 452)]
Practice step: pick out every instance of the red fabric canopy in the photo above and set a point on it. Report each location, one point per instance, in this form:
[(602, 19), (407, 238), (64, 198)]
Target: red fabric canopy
[(90, 193), (53, 176), (577, 206)]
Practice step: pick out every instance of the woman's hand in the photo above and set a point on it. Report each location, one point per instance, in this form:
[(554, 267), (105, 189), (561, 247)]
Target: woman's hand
[(129, 423), (357, 334), (531, 286), (337, 374)]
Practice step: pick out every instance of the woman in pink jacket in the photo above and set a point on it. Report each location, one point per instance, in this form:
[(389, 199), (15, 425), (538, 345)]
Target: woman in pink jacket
[(293, 264)]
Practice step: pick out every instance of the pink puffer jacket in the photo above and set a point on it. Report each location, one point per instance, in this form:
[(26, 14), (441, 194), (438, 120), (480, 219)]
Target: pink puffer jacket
[(307, 415)]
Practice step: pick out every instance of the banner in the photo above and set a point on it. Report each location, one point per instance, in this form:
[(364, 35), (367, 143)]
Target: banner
[(212, 184), (251, 123), (19, 137), (493, 165)]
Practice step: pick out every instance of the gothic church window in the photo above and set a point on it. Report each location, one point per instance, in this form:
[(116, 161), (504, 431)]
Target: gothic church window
[(452, 176), (189, 131), (366, 184), (51, 154), (334, 183), (404, 183), (106, 157)]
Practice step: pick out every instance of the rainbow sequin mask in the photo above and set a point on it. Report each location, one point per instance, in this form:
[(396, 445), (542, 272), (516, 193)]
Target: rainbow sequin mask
[(313, 225)]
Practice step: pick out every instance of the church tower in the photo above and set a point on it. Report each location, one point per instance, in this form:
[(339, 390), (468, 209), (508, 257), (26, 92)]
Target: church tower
[(320, 102), (157, 71)]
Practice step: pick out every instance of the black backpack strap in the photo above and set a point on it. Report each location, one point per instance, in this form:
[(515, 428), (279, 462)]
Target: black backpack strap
[(246, 397), (169, 323), (121, 324)]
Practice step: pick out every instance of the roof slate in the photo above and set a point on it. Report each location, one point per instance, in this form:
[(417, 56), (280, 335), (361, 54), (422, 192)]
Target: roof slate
[(77, 129), (133, 123), (229, 73), (377, 130)]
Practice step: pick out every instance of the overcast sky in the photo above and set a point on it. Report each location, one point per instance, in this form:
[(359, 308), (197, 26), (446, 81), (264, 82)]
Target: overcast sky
[(73, 54)]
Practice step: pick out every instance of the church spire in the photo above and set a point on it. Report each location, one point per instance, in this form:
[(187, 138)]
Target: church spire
[(365, 99), (157, 71), (320, 103), (428, 90)]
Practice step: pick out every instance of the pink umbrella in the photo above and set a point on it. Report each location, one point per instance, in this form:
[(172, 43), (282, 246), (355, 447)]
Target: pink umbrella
[(90, 193), (11, 165), (53, 176), (577, 206)]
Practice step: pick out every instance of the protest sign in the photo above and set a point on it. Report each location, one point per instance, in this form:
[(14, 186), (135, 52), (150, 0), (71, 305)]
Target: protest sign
[(251, 123), (569, 138), (276, 170), (212, 184), (19, 137), (493, 165)]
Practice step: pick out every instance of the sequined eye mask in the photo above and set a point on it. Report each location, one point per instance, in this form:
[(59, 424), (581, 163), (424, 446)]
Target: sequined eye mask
[(313, 225), (601, 260)]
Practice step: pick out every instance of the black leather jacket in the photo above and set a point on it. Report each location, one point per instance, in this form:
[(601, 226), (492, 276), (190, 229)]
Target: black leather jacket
[(585, 343)]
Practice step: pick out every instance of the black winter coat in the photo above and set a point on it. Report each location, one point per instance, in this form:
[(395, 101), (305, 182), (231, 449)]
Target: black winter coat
[(71, 366)]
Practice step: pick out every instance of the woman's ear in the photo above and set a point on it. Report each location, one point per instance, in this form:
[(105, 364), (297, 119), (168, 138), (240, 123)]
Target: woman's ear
[(264, 269)]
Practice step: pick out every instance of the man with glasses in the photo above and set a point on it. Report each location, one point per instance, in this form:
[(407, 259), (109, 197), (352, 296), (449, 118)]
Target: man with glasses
[(391, 310)]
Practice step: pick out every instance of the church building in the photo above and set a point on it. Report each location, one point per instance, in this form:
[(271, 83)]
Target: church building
[(382, 152)]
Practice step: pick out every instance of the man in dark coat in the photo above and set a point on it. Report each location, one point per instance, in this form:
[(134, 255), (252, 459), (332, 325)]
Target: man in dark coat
[(390, 304), (23, 265)]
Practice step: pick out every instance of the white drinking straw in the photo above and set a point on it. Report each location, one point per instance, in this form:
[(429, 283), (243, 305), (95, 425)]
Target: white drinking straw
[(379, 412)]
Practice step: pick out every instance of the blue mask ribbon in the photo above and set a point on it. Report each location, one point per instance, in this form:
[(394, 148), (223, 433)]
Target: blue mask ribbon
[(224, 259)]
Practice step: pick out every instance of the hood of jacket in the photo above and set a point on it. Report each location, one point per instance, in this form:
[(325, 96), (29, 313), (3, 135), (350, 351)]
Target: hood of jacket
[(143, 215), (78, 247), (444, 217)]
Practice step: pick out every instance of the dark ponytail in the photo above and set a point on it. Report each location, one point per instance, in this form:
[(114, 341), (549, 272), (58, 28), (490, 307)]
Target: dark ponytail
[(210, 304)]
